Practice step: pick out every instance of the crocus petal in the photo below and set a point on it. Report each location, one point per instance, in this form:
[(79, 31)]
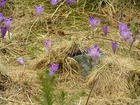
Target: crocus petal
[(1, 17), (21, 61), (39, 9), (53, 2), (98, 22), (92, 22), (114, 46), (122, 26), (125, 34), (130, 39)]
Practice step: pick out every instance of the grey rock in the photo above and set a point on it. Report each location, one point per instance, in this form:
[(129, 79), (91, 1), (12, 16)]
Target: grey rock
[(86, 63)]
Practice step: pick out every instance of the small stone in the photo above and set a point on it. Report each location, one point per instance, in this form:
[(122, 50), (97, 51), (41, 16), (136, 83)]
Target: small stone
[(86, 62)]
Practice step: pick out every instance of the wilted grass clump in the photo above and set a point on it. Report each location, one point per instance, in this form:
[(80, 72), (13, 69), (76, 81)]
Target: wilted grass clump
[(111, 78)]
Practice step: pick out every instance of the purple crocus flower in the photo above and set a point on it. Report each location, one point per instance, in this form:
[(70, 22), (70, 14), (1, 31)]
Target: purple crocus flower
[(48, 45), (1, 17), (21, 60), (125, 34), (122, 26), (105, 30), (94, 22), (39, 9), (69, 2), (8, 22), (94, 52), (3, 31), (53, 2), (2, 3), (53, 68), (114, 46)]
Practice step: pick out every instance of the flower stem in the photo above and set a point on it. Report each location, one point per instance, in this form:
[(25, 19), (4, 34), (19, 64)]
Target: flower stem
[(9, 34)]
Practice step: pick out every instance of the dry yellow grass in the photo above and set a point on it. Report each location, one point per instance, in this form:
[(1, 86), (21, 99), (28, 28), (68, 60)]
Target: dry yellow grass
[(116, 79)]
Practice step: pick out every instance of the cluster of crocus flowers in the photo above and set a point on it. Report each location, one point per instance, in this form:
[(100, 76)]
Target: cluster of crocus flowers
[(4, 29), (2, 3), (48, 45), (53, 68), (105, 30), (114, 46), (94, 52), (21, 60), (125, 32), (39, 9), (94, 22)]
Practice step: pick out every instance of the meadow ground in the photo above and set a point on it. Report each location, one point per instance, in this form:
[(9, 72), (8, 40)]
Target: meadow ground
[(115, 81)]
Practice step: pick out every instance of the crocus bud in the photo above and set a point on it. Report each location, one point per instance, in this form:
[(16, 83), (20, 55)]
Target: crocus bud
[(105, 30), (39, 9), (2, 3), (114, 46), (8, 22), (3, 31), (53, 2), (53, 68)]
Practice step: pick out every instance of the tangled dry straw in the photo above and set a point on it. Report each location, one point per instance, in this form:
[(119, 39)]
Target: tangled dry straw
[(111, 78)]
